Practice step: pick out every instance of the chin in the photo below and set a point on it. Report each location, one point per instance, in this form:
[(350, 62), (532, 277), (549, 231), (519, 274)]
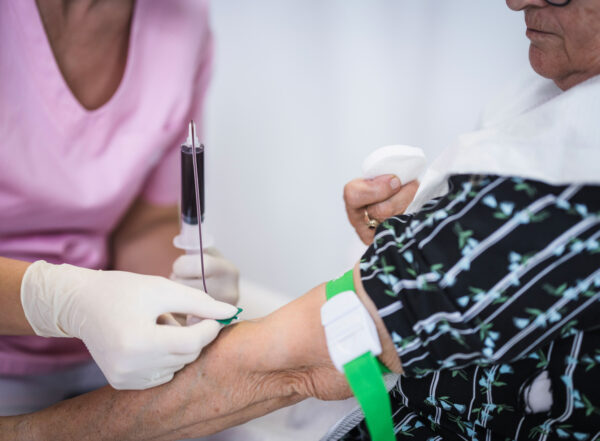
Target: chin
[(544, 63)]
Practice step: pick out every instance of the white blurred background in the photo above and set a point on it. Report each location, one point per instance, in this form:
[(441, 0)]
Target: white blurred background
[(303, 90)]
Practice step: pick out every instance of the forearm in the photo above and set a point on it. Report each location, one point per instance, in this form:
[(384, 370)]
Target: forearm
[(207, 396), (252, 368), (143, 242), (35, 427), (12, 317)]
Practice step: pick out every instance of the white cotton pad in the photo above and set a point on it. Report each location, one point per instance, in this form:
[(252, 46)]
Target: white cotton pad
[(404, 161)]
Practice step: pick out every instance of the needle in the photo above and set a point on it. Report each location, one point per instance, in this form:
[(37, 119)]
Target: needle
[(197, 191)]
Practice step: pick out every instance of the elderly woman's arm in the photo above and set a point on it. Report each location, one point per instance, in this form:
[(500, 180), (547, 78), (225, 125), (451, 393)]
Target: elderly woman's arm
[(498, 267), (489, 273), (143, 241), (251, 369)]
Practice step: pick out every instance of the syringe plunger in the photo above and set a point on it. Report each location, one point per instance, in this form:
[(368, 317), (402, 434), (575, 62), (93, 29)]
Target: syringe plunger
[(188, 194)]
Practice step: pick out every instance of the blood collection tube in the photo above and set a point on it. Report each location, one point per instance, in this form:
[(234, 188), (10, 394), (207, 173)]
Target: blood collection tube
[(188, 195), (188, 239)]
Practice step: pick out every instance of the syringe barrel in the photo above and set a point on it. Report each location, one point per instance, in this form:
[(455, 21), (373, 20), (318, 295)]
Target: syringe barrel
[(188, 195)]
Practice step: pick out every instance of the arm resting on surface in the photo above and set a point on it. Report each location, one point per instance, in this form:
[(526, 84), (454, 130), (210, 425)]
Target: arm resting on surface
[(12, 316), (143, 241), (253, 368)]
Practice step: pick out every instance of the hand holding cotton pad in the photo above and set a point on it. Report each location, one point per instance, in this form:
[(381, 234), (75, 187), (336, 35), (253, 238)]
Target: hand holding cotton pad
[(406, 162)]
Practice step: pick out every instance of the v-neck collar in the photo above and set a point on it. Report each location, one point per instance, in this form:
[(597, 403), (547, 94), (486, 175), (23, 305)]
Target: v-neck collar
[(65, 109)]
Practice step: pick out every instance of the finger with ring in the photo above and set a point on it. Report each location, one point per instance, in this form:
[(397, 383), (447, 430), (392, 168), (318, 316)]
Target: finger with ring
[(371, 223)]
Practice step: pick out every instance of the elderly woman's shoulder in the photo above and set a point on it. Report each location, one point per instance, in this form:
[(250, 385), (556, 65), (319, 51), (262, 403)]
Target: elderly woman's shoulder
[(524, 91)]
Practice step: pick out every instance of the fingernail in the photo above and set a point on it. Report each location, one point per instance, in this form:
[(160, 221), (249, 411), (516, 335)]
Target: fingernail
[(395, 183)]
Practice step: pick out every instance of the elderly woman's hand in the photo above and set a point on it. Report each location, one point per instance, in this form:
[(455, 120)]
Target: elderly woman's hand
[(376, 199)]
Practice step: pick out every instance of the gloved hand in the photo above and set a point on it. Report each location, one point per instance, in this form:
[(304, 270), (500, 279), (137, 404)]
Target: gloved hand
[(220, 274), (115, 314)]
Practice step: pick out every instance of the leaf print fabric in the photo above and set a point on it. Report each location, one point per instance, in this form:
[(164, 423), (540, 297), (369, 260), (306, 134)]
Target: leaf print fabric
[(484, 291)]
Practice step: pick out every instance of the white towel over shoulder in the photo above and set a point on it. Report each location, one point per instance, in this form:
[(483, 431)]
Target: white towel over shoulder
[(536, 131)]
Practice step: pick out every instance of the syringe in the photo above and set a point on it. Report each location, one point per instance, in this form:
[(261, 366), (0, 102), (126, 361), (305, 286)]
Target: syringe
[(192, 198)]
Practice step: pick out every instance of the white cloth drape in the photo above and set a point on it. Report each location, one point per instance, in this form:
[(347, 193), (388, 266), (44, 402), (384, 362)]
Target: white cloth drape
[(537, 132)]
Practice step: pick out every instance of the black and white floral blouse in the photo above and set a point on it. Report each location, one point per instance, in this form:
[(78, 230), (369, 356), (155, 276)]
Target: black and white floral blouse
[(491, 295)]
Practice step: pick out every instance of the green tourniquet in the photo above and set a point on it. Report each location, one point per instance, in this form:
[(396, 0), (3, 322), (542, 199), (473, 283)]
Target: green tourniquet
[(229, 320), (364, 375), (344, 283), (368, 387), (383, 368)]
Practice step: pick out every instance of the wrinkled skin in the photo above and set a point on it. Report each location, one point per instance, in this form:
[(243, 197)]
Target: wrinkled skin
[(253, 368), (565, 47), (565, 41), (382, 197)]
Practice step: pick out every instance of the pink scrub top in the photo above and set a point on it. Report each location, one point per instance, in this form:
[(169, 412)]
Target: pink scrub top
[(68, 175)]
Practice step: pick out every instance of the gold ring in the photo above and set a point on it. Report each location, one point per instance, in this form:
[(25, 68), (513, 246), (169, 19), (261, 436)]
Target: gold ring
[(371, 223)]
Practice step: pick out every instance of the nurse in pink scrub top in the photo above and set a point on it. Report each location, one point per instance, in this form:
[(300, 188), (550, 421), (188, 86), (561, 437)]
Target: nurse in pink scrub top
[(95, 97)]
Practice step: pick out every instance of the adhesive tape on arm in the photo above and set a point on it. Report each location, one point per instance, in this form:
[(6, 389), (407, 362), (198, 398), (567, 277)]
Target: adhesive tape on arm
[(406, 162)]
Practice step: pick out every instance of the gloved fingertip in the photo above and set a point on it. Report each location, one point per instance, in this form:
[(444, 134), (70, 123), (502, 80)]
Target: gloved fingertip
[(218, 310), (205, 332), (212, 325), (184, 266), (229, 309), (232, 318), (160, 381)]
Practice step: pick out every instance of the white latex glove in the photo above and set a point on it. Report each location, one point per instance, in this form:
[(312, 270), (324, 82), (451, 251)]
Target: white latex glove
[(115, 314), (220, 274)]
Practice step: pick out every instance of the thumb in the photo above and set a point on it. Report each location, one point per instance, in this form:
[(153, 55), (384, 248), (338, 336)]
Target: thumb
[(185, 300), (187, 339), (382, 187), (187, 266), (362, 192)]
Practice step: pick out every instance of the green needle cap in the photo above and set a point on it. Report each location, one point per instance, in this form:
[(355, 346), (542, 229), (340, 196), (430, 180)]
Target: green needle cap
[(229, 320)]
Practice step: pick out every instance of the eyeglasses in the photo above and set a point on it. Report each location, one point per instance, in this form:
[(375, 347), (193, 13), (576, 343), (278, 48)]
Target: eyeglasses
[(558, 2)]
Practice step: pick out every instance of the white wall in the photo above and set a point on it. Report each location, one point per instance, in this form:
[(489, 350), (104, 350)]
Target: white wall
[(304, 89)]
